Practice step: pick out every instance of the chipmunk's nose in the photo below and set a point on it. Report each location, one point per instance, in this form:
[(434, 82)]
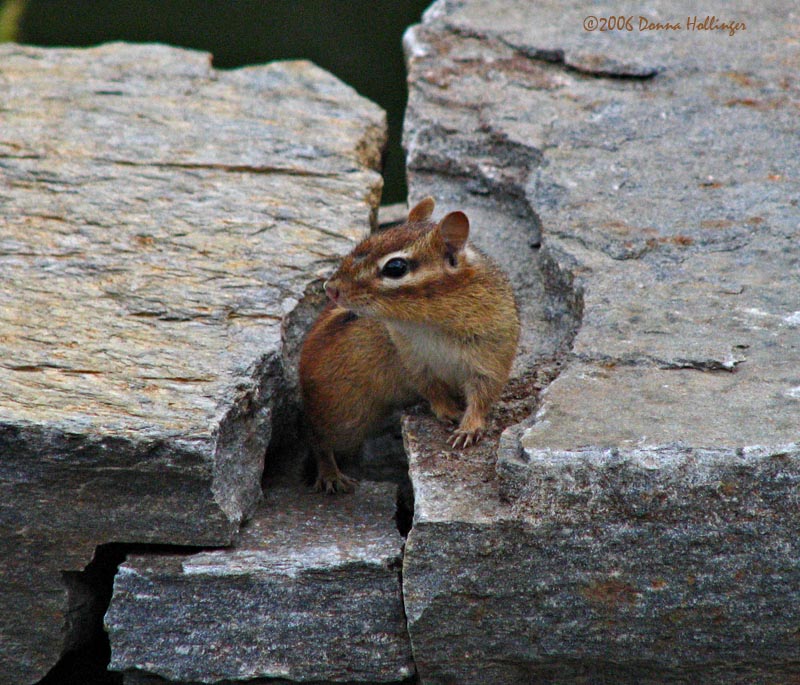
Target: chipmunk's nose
[(331, 291)]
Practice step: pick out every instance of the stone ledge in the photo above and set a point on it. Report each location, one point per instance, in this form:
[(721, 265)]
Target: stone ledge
[(160, 220), (310, 591)]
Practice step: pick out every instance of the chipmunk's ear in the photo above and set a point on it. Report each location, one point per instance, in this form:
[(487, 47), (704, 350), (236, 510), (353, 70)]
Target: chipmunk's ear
[(454, 229), (421, 211)]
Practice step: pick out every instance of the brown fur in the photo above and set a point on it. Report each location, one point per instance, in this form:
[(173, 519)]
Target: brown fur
[(344, 357), (447, 331), (351, 380)]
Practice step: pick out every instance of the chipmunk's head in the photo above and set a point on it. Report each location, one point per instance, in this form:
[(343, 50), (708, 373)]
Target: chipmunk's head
[(401, 272)]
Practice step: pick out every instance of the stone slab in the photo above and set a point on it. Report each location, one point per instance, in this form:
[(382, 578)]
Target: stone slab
[(628, 407), (160, 220), (557, 585), (137, 678), (642, 524), (310, 591)]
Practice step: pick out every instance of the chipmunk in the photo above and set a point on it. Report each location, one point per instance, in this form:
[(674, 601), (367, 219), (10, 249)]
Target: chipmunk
[(416, 312)]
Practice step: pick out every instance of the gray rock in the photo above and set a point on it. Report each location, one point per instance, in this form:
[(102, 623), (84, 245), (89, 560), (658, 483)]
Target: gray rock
[(160, 220), (310, 591), (139, 678), (628, 566), (642, 526)]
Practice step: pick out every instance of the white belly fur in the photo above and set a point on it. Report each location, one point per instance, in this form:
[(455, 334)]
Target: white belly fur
[(424, 350)]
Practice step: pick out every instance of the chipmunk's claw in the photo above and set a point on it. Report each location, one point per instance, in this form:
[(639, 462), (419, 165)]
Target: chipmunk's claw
[(461, 439), (334, 484)]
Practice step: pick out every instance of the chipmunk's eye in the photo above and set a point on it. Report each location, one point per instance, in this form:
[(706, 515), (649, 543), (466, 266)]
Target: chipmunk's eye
[(395, 268)]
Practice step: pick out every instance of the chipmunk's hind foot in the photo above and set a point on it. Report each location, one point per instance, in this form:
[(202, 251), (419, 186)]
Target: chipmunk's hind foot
[(334, 485), (330, 479)]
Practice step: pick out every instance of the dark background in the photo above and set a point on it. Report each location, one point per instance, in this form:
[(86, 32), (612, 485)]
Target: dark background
[(357, 40)]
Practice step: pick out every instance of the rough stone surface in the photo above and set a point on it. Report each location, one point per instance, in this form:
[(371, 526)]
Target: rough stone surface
[(310, 591), (555, 586), (160, 220), (138, 678), (643, 525)]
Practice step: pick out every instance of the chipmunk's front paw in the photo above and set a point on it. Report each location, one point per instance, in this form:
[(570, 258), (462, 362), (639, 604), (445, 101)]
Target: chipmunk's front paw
[(465, 438), (331, 484)]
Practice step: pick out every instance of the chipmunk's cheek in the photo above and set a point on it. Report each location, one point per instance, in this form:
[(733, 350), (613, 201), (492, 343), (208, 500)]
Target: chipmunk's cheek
[(353, 304), (345, 301), (350, 298)]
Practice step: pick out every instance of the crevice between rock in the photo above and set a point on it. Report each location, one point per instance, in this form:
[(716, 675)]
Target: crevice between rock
[(729, 365), (231, 168), (595, 65), (87, 653)]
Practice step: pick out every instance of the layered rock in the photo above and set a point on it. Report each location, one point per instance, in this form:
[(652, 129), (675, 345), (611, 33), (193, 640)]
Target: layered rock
[(310, 591), (643, 525), (160, 221)]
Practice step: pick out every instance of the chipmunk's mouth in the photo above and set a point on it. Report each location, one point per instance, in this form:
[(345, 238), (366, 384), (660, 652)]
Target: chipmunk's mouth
[(357, 304), (332, 291), (336, 295)]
